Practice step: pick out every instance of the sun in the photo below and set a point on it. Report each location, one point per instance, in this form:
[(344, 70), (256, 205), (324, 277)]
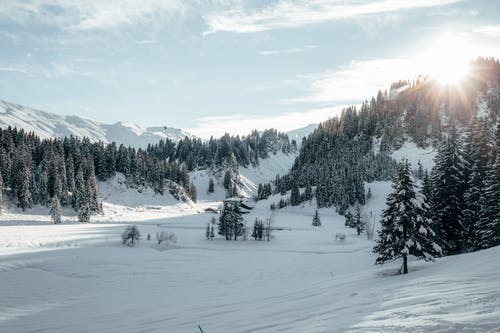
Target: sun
[(447, 60)]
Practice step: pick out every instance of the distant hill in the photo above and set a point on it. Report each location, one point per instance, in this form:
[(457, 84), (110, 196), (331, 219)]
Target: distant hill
[(300, 133), (47, 125)]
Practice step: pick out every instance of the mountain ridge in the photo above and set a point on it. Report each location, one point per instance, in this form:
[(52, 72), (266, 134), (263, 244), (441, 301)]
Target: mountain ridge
[(49, 125)]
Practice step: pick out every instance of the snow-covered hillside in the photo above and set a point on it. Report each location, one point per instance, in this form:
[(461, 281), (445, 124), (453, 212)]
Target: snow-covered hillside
[(300, 133), (78, 277), (248, 178), (48, 125)]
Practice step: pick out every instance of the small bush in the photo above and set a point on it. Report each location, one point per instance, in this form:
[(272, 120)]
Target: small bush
[(340, 237), (131, 235), (166, 238)]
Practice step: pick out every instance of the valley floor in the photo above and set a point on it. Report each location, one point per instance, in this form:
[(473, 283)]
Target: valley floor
[(79, 278)]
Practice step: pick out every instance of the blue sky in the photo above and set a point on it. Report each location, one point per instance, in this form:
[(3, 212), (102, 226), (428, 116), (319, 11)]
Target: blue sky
[(224, 65)]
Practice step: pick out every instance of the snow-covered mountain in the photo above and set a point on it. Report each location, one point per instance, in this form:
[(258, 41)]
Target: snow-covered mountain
[(303, 132), (48, 125)]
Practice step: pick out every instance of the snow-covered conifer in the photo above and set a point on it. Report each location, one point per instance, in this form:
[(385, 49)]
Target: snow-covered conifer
[(405, 230), (447, 196), (55, 210), (316, 222)]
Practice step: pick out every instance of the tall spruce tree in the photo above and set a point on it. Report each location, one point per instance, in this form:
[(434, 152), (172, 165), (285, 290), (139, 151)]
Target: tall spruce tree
[(70, 175), (91, 186), (54, 186), (489, 226), (447, 194), (308, 194), (405, 230), (1, 193), (193, 192), (84, 212), (231, 221), (79, 196), (258, 229), (207, 231), (55, 210), (23, 180), (227, 180), (478, 152), (211, 185), (295, 195)]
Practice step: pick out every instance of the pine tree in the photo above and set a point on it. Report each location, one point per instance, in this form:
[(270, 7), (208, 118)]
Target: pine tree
[(254, 231), (193, 192), (316, 222), (308, 195), (230, 191), (427, 188), (488, 234), (91, 187), (79, 196), (1, 192), (211, 185), (295, 195), (260, 195), (420, 170), (359, 224), (227, 180), (70, 175), (83, 196), (41, 178), (349, 219), (23, 180), (55, 210), (54, 186), (207, 231), (84, 212), (447, 196), (231, 221), (404, 228), (478, 155), (258, 229)]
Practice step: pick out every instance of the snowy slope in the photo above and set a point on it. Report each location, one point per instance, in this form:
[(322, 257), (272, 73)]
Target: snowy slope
[(249, 177), (48, 125), (299, 133), (414, 154), (78, 277)]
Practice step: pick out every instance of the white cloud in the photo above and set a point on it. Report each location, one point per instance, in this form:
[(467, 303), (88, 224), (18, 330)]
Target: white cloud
[(489, 30), (290, 13), (287, 51), (87, 14), (53, 70), (446, 56), (244, 124), (356, 80)]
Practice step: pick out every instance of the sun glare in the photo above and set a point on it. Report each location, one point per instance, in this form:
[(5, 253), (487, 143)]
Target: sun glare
[(447, 60)]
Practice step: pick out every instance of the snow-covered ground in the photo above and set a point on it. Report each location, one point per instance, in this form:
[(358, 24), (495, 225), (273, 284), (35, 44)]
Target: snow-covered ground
[(249, 177), (77, 277), (414, 154)]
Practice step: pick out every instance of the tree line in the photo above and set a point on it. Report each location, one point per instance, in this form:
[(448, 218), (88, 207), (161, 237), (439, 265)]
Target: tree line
[(64, 172), (226, 151), (355, 147), (456, 209)]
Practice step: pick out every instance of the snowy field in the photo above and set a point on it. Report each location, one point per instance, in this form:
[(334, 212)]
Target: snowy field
[(79, 277)]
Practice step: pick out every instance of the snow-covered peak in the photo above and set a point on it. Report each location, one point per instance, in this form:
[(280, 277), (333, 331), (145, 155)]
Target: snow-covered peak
[(48, 125), (299, 133)]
